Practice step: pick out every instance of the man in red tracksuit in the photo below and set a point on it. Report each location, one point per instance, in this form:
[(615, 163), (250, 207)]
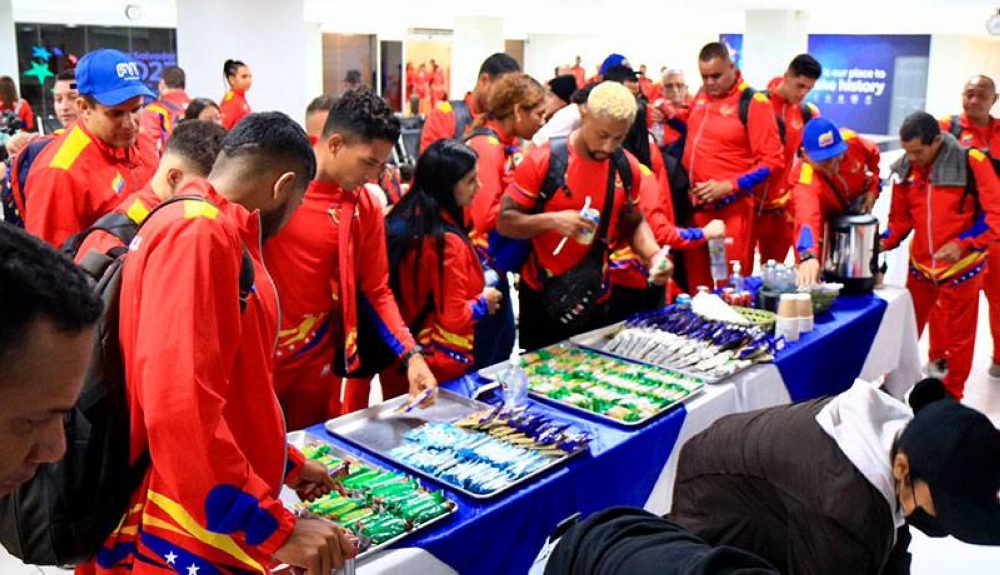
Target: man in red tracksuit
[(837, 174), (444, 120), (772, 226), (331, 268), (198, 349), (976, 128), (727, 157), (160, 117), (560, 236), (102, 159), (953, 229), (189, 155)]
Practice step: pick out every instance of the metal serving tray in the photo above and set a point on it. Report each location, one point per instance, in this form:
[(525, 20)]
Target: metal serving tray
[(598, 339), (493, 372), (301, 438), (380, 429)]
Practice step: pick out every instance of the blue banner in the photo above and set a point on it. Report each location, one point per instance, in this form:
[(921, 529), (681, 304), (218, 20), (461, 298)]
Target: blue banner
[(735, 44), (866, 77)]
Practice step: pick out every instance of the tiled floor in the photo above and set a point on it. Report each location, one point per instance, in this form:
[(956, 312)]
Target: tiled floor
[(930, 556)]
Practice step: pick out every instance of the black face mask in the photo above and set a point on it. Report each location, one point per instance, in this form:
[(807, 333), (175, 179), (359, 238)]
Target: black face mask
[(925, 522)]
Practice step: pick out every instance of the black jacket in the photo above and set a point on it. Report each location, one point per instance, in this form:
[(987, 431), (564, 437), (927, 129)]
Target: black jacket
[(772, 482), (625, 540)]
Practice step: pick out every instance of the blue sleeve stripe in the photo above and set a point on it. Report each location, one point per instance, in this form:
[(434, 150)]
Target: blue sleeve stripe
[(807, 242), (383, 330), (479, 308), (753, 179), (692, 234), (229, 510)]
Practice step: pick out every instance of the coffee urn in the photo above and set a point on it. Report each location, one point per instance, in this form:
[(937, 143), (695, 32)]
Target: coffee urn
[(850, 252)]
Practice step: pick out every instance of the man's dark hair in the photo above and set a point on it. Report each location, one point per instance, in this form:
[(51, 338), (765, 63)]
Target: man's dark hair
[(273, 139), (806, 65), (321, 103), (714, 50), (37, 282), (174, 78), (620, 74), (66, 75), (919, 125), (362, 114), (198, 142), (353, 77), (499, 64), (581, 95)]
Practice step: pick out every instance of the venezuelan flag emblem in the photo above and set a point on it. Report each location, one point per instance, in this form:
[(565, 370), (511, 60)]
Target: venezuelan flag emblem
[(118, 184)]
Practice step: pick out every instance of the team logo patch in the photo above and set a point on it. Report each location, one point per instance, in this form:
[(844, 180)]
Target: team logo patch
[(118, 184), (727, 110), (825, 139), (128, 71)]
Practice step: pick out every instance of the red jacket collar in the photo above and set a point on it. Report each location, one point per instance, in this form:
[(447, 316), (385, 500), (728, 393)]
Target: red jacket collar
[(505, 138), (246, 221), (471, 103), (130, 154), (179, 98), (738, 86), (963, 121), (772, 89)]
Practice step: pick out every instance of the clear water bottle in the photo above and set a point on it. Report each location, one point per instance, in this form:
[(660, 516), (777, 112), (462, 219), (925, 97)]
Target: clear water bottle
[(717, 257), (736, 280), (514, 383), (492, 278), (769, 271)]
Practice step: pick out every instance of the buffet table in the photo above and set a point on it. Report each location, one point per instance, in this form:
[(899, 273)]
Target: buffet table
[(867, 336)]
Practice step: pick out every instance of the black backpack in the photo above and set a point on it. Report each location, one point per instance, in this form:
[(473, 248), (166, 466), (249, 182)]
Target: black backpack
[(67, 511), (12, 196), (744, 111), (955, 128), (463, 118)]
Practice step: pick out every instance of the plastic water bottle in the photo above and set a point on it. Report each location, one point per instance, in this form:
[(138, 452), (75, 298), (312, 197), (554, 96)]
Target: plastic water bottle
[(492, 278), (769, 271), (514, 383), (717, 257), (736, 280)]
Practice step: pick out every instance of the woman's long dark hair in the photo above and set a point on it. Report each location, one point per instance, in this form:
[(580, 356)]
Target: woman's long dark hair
[(419, 214)]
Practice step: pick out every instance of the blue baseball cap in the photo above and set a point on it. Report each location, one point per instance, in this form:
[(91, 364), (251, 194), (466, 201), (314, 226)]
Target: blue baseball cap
[(613, 60), (110, 77), (821, 139)]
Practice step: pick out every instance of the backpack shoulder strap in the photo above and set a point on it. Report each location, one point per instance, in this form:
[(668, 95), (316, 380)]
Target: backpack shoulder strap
[(555, 176), (807, 112), (971, 187), (746, 96), (463, 118), (955, 129), (119, 225), (482, 131)]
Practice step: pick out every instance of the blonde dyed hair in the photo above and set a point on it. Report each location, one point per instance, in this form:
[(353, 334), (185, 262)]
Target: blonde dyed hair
[(612, 100)]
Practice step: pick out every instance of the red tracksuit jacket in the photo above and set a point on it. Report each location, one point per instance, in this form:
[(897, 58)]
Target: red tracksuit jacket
[(304, 260), (777, 192), (985, 138), (456, 287), (440, 123), (818, 198), (161, 116), (201, 397), (234, 107), (79, 178), (497, 159), (938, 214), (720, 147)]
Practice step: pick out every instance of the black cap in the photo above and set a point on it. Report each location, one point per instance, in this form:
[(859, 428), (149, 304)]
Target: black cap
[(956, 450), (563, 86)]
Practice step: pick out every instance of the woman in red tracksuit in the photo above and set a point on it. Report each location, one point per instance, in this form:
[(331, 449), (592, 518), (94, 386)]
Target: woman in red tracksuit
[(234, 104), (435, 272), (515, 110)]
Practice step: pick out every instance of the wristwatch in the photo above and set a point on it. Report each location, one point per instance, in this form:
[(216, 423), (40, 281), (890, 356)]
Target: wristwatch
[(806, 257), (417, 349)]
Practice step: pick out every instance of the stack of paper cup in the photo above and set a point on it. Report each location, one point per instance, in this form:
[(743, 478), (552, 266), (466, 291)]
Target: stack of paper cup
[(788, 318), (804, 305)]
